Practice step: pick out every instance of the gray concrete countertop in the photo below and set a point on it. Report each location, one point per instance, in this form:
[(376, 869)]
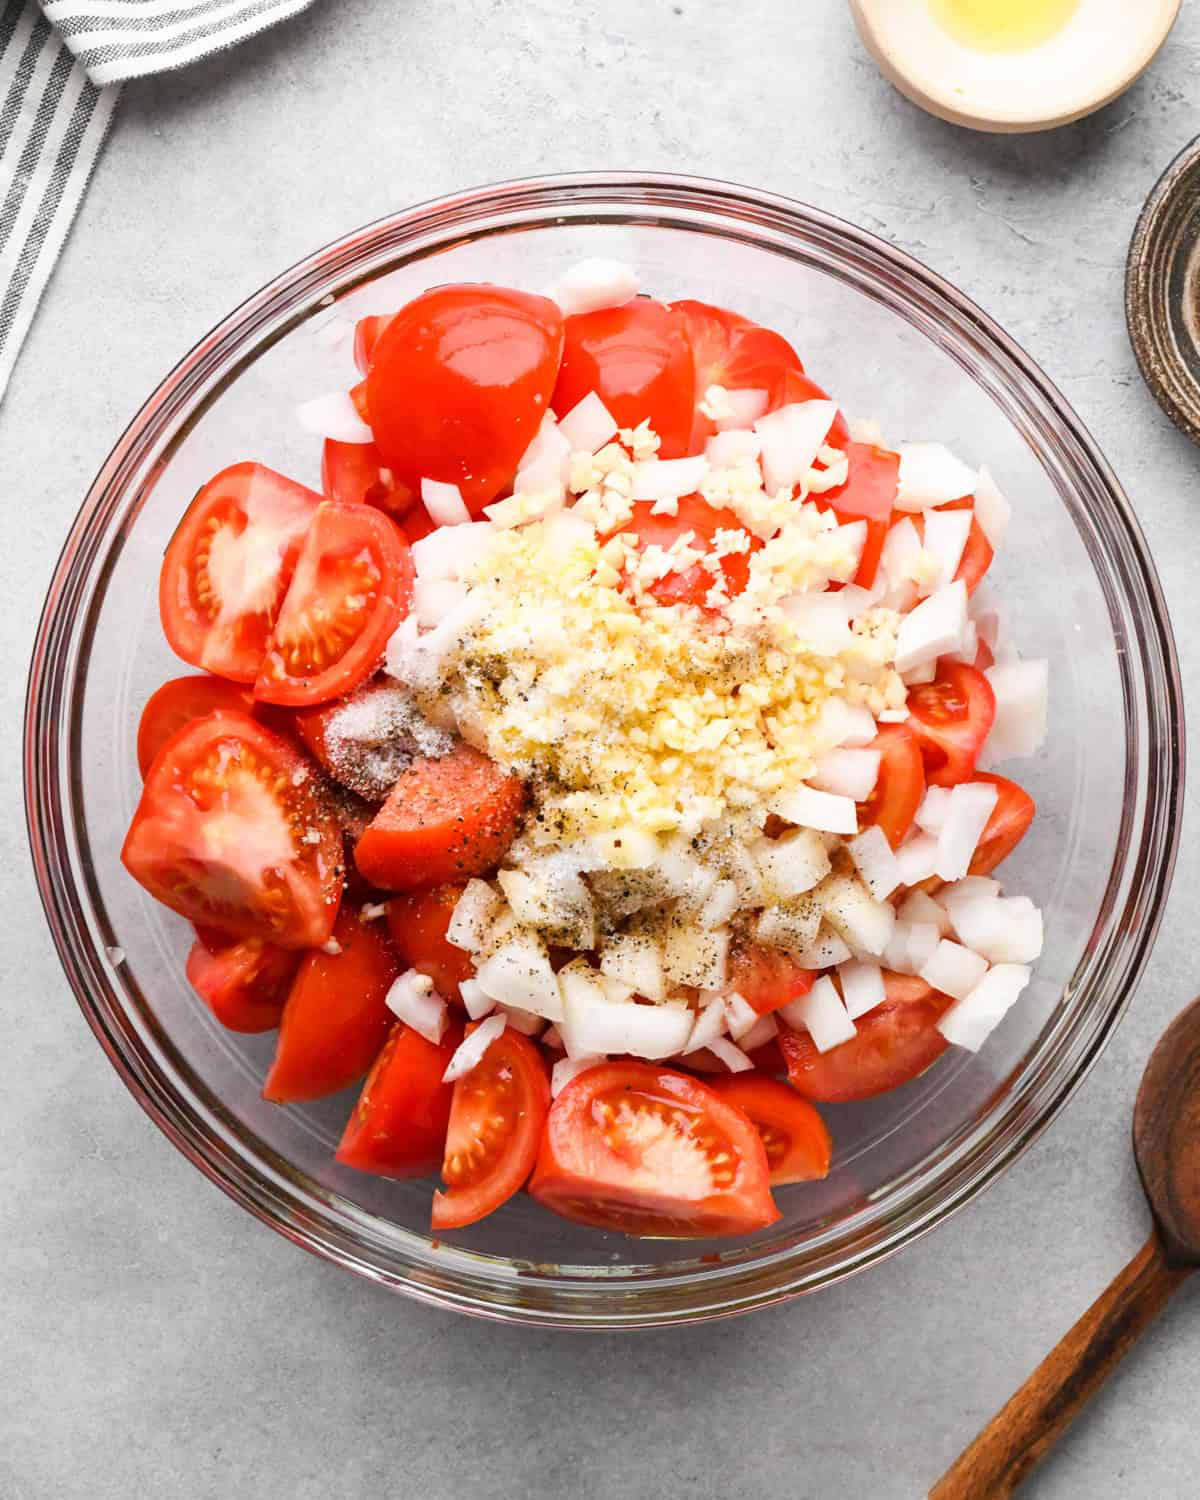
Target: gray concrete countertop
[(177, 1348)]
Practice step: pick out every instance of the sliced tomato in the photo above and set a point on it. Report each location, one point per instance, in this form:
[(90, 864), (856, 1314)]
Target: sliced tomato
[(638, 360), (899, 787), (767, 978), (496, 1123), (351, 588), (418, 523), (364, 741), (228, 566), (231, 833), (336, 1018), (694, 515), (460, 380), (243, 983), (643, 1149), (794, 1135), (367, 333), (894, 1044), (177, 703), (869, 494), (354, 474), (418, 926), (951, 717), (398, 1128), (977, 554), (1007, 826), (444, 820)]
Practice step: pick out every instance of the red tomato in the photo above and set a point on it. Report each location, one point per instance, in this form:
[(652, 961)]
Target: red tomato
[(228, 566), (444, 820), (367, 333), (899, 787), (767, 978), (244, 983), (951, 717), (177, 703), (638, 360), (460, 380), (398, 1128), (220, 834), (695, 515), (370, 760), (418, 523), (733, 352), (643, 1149), (894, 1044), (496, 1124), (977, 554), (358, 394), (351, 588), (868, 494), (795, 1137), (354, 474), (336, 1018), (418, 926), (1007, 826)]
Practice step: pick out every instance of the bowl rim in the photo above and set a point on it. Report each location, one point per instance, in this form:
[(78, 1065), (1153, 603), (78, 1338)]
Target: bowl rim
[(1139, 879)]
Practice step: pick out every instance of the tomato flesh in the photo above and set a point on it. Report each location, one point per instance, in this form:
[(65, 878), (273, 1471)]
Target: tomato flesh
[(244, 983), (355, 474), (496, 1122), (459, 382), (398, 1127), (868, 494), (363, 741), (352, 586), (794, 1136), (444, 820), (367, 333), (736, 354), (1007, 826), (691, 585), (418, 924), (767, 978), (645, 1150), (951, 717), (178, 702), (899, 787), (224, 834)]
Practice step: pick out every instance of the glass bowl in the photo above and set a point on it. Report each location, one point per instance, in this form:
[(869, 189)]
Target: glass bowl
[(891, 340)]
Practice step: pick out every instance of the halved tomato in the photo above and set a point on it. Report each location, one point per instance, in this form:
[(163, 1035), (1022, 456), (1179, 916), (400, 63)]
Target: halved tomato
[(977, 554), (367, 333), (244, 983), (398, 1128), (418, 926), (794, 1135), (231, 833), (638, 360), (894, 1044), (767, 978), (496, 1123), (177, 703), (459, 382), (417, 523), (951, 717), (336, 1018), (645, 1150), (1007, 826), (444, 820), (691, 586), (899, 787), (351, 588), (869, 494), (228, 566), (354, 474)]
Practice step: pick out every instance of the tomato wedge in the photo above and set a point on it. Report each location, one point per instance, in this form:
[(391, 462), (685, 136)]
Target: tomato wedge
[(244, 983), (645, 1150), (894, 1044), (496, 1123), (351, 588), (869, 494), (767, 978), (365, 740), (459, 382), (231, 833), (638, 360), (228, 566), (444, 820), (418, 927), (692, 584), (177, 703), (951, 717), (354, 474), (1007, 826), (795, 1137), (398, 1128), (367, 333), (336, 1018), (899, 787)]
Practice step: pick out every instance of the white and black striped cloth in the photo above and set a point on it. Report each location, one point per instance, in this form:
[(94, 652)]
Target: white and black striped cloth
[(61, 66)]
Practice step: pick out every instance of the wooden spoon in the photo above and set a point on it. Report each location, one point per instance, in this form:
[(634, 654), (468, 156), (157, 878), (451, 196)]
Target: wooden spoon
[(1166, 1144)]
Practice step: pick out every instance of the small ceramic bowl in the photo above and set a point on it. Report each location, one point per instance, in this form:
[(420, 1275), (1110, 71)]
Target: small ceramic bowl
[(1098, 53), (1162, 291)]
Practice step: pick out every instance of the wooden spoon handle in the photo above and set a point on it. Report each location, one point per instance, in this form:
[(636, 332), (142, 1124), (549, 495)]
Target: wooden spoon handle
[(1019, 1436)]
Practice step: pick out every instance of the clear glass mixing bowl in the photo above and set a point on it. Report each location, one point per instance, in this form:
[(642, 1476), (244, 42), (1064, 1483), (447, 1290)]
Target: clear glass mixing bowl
[(891, 340)]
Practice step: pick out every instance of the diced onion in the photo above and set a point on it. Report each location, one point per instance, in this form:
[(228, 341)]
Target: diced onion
[(862, 986), (519, 973), (722, 903), (848, 773), (792, 864), (822, 1014), (1003, 930), (968, 809), (911, 946), (444, 502), (413, 1000), (451, 552), (588, 425), (809, 808), (917, 858), (875, 862), (524, 1021), (473, 915), (567, 1069), (970, 1021), (434, 598), (710, 1023), (725, 450), (732, 1056), (954, 970), (742, 409), (470, 1052), (1019, 728), (917, 906), (477, 1004), (821, 620), (931, 475), (546, 462), (634, 959), (841, 723), (668, 479), (934, 627), (864, 923), (334, 416), (992, 510), (791, 439), (594, 284), (946, 534), (932, 812), (827, 950), (741, 1016), (765, 1029)]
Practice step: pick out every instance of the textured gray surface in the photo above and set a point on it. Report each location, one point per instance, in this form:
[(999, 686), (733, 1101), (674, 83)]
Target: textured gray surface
[(153, 1339)]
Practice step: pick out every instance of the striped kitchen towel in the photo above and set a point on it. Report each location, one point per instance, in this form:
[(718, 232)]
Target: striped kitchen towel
[(61, 66)]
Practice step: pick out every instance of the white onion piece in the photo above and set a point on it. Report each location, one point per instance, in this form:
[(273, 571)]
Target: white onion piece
[(634, 959), (822, 621), (893, 716), (740, 1016), (992, 510), (722, 903), (413, 1000), (968, 648), (970, 806), (732, 1056), (920, 675), (822, 1014), (875, 862), (841, 723), (864, 923), (987, 623), (917, 906), (470, 1052), (593, 284), (668, 479), (917, 858), (524, 1021), (853, 537), (858, 599), (434, 598), (934, 627), (862, 986), (954, 970), (828, 950), (726, 450), (931, 475), (444, 502), (567, 1069), (449, 552), (588, 425), (866, 430), (911, 946), (808, 808), (742, 409), (932, 812), (694, 955), (519, 973), (848, 773), (710, 1023), (765, 1029), (970, 1021), (1003, 930), (1022, 692), (471, 920), (792, 864), (546, 463), (902, 552), (334, 416), (476, 1002), (791, 439), (946, 534), (650, 1031)]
